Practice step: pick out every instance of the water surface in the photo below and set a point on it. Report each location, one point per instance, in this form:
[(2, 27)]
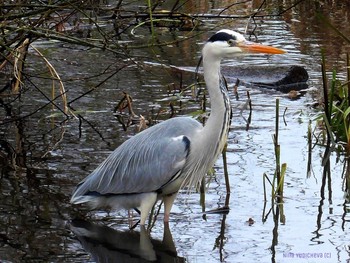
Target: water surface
[(36, 217)]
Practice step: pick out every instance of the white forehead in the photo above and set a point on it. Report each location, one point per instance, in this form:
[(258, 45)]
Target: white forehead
[(238, 36)]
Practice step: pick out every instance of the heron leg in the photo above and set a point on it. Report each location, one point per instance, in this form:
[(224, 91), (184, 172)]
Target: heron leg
[(168, 203), (146, 205)]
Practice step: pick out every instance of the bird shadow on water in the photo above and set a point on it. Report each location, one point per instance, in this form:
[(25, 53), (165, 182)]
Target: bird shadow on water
[(106, 244)]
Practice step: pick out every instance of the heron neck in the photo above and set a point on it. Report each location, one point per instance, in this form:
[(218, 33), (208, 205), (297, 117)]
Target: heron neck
[(219, 99), (216, 128), (212, 138)]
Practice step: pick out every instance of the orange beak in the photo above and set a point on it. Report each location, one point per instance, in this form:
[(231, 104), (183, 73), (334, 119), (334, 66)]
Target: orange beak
[(251, 47)]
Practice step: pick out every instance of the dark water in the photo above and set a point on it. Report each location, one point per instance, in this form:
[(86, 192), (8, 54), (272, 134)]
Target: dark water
[(51, 154)]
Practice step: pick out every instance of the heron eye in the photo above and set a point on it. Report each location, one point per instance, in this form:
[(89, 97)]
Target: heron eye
[(231, 42)]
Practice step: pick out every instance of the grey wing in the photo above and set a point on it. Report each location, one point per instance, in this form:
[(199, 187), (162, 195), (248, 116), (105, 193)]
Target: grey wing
[(145, 162)]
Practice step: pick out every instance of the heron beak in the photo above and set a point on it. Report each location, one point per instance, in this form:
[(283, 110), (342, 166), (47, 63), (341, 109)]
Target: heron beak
[(251, 47)]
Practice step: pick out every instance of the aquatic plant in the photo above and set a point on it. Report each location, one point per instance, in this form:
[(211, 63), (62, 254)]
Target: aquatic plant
[(335, 118), (277, 182)]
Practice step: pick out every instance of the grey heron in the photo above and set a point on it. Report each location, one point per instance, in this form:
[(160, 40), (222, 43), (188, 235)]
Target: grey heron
[(155, 163)]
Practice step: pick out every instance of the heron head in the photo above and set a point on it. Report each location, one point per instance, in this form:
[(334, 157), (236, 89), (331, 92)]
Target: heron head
[(228, 43)]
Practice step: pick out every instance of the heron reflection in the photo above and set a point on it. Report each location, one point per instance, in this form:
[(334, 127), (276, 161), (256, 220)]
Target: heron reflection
[(106, 244)]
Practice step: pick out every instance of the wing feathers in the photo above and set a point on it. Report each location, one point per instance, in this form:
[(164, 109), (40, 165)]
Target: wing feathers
[(145, 162)]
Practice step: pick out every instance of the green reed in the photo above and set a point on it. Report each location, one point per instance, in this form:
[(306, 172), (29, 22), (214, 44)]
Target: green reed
[(335, 118), (277, 183)]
